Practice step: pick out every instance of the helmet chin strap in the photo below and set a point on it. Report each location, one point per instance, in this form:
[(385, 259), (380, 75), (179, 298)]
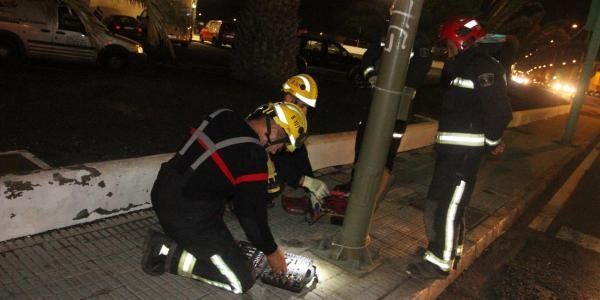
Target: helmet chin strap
[(268, 134)]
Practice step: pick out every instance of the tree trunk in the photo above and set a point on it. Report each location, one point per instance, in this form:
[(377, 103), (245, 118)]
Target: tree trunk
[(157, 35), (266, 45)]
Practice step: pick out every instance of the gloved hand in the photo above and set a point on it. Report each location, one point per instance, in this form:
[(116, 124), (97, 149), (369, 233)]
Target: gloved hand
[(315, 204), (499, 149), (315, 186), (315, 209), (371, 81), (276, 261)]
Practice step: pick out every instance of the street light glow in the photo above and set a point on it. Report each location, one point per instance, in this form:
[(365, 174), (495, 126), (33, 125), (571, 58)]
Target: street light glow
[(520, 79), (574, 26), (551, 41), (564, 63), (574, 61)]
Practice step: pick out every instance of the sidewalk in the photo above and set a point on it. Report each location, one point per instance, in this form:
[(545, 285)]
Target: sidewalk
[(102, 259)]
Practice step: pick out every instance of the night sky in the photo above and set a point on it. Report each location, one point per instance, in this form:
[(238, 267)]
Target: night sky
[(575, 10), (309, 9)]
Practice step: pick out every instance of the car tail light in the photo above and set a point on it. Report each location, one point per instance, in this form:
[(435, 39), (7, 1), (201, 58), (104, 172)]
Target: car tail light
[(117, 27)]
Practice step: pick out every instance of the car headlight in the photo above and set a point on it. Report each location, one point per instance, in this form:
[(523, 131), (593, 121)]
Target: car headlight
[(139, 49)]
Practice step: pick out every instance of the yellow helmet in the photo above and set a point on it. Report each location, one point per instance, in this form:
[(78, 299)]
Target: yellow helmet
[(303, 87), (293, 121)]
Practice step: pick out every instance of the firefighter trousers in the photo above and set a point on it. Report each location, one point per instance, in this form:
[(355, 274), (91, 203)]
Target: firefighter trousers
[(449, 194), (204, 249)]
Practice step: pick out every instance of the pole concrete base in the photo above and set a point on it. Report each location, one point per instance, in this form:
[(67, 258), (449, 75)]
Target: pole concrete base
[(358, 261)]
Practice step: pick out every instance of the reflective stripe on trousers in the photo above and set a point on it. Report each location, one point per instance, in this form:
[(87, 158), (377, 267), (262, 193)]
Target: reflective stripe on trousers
[(186, 265), (445, 262)]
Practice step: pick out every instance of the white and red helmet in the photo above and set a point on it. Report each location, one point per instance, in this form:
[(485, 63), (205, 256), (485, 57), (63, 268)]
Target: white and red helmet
[(462, 32)]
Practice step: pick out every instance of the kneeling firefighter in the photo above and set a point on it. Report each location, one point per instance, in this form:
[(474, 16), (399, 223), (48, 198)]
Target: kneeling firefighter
[(223, 160), (294, 168)]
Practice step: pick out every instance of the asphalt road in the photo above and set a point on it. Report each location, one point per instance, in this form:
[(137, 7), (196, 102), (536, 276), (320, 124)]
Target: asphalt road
[(560, 262), (68, 113)]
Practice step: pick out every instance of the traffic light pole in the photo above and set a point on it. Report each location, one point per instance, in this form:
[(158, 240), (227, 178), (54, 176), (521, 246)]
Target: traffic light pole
[(351, 244), (584, 79)]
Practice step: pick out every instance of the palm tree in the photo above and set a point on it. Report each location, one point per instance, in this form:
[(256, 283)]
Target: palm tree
[(515, 17), (161, 13), (266, 42), (365, 18)]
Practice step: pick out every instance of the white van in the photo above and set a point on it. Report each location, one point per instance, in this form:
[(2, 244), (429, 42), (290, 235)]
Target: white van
[(53, 30)]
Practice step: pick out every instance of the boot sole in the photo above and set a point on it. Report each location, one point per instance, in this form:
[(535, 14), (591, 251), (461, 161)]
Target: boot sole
[(150, 270)]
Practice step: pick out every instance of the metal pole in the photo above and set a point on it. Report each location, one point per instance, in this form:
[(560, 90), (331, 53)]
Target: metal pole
[(584, 79), (351, 243)]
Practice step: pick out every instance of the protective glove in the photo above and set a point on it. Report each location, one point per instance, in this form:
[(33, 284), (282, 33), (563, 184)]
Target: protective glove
[(315, 204), (499, 149), (315, 209), (371, 81), (276, 261), (316, 187)]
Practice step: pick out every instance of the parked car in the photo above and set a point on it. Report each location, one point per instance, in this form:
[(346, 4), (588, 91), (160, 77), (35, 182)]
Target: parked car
[(177, 33), (125, 26), (55, 31), (321, 52), (226, 34), (210, 31)]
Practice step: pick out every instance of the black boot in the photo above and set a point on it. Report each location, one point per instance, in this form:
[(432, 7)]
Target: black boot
[(156, 250), (425, 270)]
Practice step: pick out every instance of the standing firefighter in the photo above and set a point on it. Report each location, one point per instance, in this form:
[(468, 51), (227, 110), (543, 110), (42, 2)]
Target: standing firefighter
[(475, 112), (294, 168), (224, 159)]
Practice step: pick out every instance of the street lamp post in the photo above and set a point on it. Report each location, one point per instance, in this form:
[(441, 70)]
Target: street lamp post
[(351, 244), (588, 64)]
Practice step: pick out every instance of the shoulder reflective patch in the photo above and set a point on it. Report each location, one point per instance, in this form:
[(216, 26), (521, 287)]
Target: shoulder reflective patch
[(486, 79), (462, 83)]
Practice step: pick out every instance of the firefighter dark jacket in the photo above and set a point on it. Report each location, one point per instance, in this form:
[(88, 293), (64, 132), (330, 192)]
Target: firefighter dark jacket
[(475, 106), (236, 173)]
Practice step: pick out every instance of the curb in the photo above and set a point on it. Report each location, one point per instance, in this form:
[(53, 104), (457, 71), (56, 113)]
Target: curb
[(92, 191), (48, 199), (523, 117)]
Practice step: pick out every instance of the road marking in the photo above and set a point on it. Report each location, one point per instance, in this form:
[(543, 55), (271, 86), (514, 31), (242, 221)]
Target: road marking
[(584, 240), (552, 208)]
